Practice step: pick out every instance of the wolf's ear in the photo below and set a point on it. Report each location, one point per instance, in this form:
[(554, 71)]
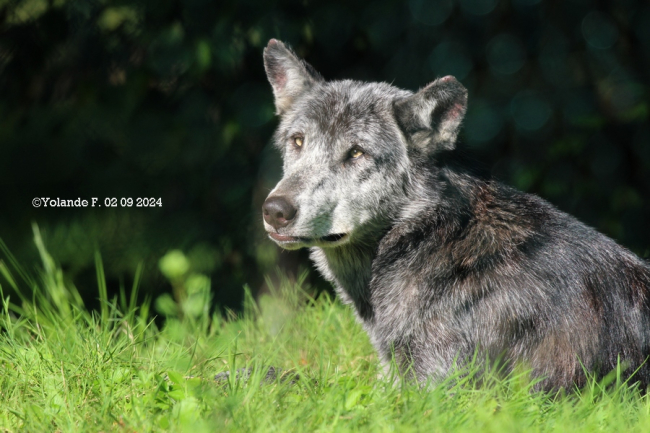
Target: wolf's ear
[(289, 75), (431, 118)]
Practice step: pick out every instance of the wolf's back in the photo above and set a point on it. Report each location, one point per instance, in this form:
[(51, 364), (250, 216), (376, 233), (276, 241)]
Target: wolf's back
[(507, 273)]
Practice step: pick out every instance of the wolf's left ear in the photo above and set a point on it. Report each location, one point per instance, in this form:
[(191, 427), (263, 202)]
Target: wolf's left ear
[(289, 76), (431, 118)]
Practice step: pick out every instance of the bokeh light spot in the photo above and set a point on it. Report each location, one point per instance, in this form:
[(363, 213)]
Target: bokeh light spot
[(505, 54), (482, 123), (599, 31), (450, 58), (526, 2), (529, 111), (478, 7), (429, 12)]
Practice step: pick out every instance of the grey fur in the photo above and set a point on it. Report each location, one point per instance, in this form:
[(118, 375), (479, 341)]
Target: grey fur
[(437, 262)]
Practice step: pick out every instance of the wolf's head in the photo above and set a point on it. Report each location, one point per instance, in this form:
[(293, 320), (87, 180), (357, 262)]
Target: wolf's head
[(349, 150)]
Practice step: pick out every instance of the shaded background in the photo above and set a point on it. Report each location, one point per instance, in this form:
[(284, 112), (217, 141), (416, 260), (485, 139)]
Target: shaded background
[(168, 99)]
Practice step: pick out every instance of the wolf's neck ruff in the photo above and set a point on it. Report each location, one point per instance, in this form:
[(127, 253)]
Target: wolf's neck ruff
[(437, 262), (349, 268)]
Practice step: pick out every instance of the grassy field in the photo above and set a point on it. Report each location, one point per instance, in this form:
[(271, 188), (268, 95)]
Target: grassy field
[(67, 369)]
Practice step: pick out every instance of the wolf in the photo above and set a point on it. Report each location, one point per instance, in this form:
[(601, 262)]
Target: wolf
[(441, 264)]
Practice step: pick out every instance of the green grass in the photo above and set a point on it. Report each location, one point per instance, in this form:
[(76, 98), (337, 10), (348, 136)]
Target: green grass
[(67, 369)]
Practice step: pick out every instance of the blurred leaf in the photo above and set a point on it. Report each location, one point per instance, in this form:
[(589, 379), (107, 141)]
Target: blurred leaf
[(175, 377), (174, 265), (166, 305)]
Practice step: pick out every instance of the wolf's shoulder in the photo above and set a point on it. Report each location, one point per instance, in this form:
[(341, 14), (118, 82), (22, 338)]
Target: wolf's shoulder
[(482, 223)]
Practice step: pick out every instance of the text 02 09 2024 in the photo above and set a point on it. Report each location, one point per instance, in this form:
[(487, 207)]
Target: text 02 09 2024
[(97, 202)]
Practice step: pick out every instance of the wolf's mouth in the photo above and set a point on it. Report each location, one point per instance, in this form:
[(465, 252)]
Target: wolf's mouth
[(294, 239), (333, 238)]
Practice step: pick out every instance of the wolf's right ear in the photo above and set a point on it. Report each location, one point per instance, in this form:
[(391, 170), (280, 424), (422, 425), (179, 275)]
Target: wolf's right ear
[(431, 118), (289, 76)]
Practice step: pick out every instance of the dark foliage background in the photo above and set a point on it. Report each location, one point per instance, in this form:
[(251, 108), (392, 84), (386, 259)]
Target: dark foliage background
[(168, 99)]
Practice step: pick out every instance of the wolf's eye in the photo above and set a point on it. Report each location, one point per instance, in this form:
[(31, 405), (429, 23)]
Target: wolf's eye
[(297, 140), (355, 153)]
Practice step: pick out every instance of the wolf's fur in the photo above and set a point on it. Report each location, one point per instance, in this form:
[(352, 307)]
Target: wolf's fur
[(439, 263)]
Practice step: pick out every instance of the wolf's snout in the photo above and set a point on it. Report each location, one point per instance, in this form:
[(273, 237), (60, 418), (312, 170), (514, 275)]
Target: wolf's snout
[(278, 212)]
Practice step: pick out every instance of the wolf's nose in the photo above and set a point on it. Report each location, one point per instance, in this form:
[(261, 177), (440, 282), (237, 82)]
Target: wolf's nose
[(278, 212)]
